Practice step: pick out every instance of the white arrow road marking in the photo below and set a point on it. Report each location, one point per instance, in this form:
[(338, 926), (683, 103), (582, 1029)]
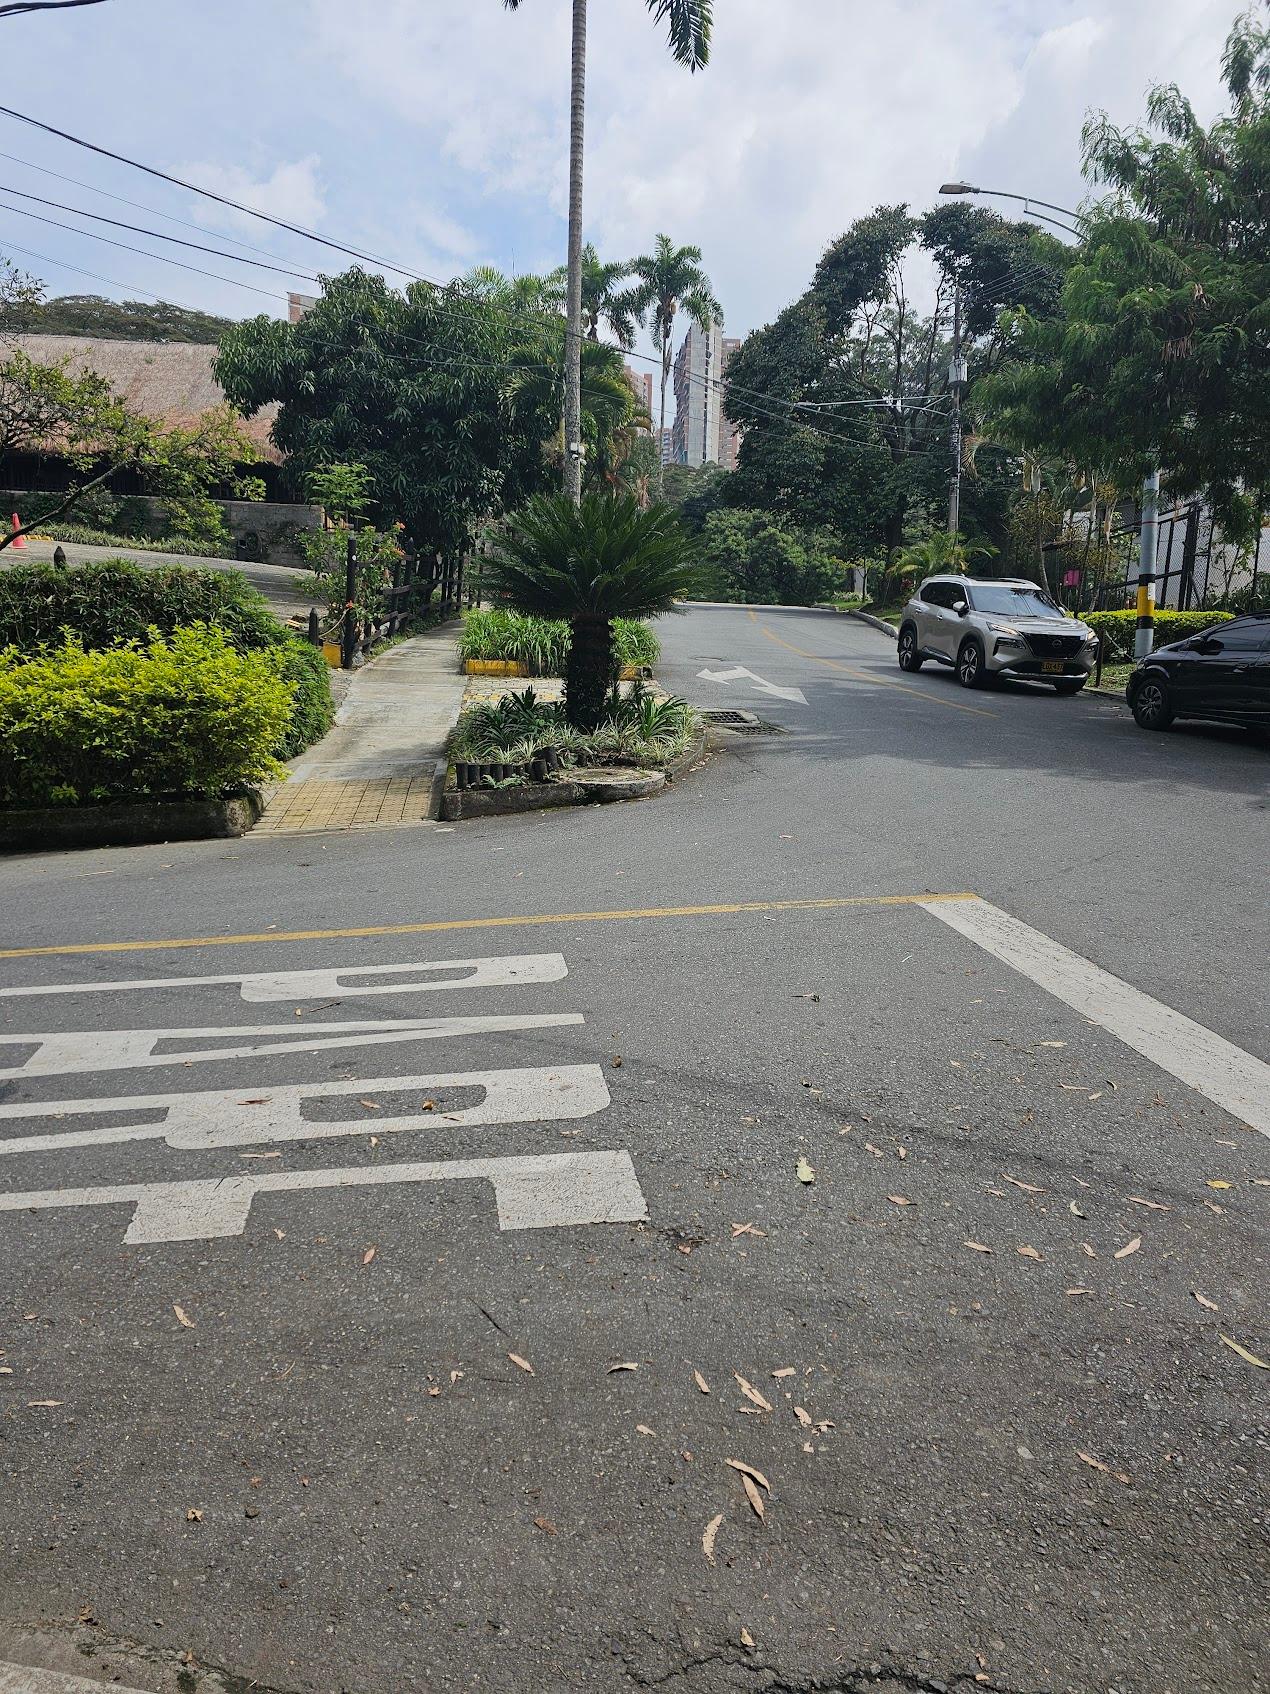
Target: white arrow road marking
[(133, 1049), (546, 1191), (1223, 1073), (738, 671), (241, 1117), (344, 981)]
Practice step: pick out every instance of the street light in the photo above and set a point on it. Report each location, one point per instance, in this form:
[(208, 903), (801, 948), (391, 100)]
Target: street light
[(1027, 201)]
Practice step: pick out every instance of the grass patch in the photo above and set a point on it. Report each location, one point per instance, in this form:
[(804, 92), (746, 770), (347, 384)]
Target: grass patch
[(541, 645), (638, 730)]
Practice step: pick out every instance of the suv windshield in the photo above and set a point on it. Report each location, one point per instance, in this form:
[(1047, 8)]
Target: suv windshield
[(1004, 601)]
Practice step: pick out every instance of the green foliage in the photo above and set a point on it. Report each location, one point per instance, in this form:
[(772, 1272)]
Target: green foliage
[(759, 558), (694, 491), (688, 27), (670, 280), (85, 535), (1254, 597), (636, 728), (941, 552), (344, 490), (326, 551), (123, 320), (303, 669), (184, 714), (542, 644), (1115, 630)]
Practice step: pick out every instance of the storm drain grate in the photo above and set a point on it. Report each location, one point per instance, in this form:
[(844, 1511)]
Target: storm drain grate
[(732, 719), (742, 723)]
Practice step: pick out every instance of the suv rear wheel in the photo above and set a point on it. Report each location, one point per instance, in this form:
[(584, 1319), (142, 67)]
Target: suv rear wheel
[(910, 659), (971, 670), (1152, 708)]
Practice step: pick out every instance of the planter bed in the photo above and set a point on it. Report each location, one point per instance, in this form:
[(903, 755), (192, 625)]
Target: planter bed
[(127, 823)]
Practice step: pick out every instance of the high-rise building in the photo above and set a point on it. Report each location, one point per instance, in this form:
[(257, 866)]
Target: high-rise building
[(298, 305), (702, 434), (668, 446), (642, 383)]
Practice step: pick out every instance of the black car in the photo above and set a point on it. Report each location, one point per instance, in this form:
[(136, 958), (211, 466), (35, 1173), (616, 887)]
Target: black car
[(1223, 674)]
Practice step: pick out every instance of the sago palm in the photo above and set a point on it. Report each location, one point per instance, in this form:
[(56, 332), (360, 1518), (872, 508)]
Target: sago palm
[(688, 24), (589, 564), (671, 280)]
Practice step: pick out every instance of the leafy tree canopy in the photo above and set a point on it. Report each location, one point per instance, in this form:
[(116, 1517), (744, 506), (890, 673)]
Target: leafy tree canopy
[(122, 320)]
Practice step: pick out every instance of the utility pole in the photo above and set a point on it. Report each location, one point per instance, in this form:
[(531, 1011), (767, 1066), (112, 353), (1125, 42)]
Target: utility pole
[(1144, 635), (573, 305), (348, 630), (956, 381)]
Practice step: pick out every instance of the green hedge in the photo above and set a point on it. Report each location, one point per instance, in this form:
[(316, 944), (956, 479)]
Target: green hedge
[(114, 601), (184, 714), (541, 644), (1115, 630)]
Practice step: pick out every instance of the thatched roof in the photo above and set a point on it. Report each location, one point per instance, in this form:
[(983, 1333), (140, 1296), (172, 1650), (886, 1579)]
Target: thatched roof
[(168, 381)]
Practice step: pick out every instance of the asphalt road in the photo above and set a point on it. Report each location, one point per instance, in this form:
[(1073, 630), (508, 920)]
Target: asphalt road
[(276, 582), (1002, 1442)]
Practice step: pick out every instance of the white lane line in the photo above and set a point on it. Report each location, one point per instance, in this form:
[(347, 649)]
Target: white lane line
[(133, 1049), (545, 1191), (242, 1117), (345, 981), (764, 687), (1214, 1067)]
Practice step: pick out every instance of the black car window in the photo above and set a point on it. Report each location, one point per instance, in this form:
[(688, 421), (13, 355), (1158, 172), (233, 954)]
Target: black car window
[(937, 594), (1241, 638)]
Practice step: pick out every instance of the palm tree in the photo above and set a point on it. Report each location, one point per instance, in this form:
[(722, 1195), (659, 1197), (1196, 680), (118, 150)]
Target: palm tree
[(603, 299), (670, 279), (939, 554), (688, 25), (591, 563)]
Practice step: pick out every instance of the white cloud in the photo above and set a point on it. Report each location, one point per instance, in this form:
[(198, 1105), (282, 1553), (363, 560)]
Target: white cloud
[(289, 192)]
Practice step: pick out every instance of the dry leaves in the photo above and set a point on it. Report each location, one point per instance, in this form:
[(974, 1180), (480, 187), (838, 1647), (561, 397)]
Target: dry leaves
[(1027, 1187), (754, 1495), (976, 1246), (369, 1254), (707, 1538), (193, 1515), (804, 1171), (746, 1229), (1208, 1305), (545, 1525), (1075, 1210), (1051, 1044), (1028, 1253), (701, 1382), (1089, 1459), (1129, 1247), (747, 1640), (521, 1364), (803, 1416), (1250, 1358), (1217, 1183), (183, 1317), (1151, 1205), (1087, 1250), (643, 1429), (1078, 1291), (59, 1402), (626, 1364), (785, 1370), (752, 1394), (749, 1470), (370, 1105), (899, 1199)]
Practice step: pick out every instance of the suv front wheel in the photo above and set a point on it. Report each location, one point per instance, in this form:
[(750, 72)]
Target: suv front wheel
[(971, 670), (910, 659)]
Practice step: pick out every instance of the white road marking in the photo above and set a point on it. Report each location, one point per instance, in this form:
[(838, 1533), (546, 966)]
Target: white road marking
[(765, 687), (133, 1049), (546, 1191), (1214, 1067), (344, 981), (243, 1117)]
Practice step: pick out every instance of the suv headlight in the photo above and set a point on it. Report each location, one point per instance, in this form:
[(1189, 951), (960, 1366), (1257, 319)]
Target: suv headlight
[(1006, 630)]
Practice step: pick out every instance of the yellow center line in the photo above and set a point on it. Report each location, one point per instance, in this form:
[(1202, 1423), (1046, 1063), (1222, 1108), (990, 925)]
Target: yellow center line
[(869, 676), (441, 926)]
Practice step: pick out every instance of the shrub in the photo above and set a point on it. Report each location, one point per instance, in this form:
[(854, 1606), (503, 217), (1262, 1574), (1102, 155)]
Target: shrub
[(542, 644), (636, 729), (755, 556), (137, 541), (114, 600), (307, 674), (1115, 630), (1253, 597), (184, 714)]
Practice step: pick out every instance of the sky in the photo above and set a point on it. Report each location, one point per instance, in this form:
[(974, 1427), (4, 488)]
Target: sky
[(434, 133)]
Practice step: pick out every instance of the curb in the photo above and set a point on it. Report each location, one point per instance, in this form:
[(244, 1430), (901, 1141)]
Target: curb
[(60, 828), (461, 804), (29, 1679), (864, 617)]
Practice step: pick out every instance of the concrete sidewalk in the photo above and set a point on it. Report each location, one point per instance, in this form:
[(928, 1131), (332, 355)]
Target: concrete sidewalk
[(383, 762)]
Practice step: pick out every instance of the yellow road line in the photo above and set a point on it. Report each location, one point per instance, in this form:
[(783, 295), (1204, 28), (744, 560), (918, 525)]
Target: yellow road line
[(870, 676), (441, 927)]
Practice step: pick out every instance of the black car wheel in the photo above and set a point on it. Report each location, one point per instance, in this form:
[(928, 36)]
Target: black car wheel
[(910, 659), (1069, 687), (971, 671), (1152, 708)]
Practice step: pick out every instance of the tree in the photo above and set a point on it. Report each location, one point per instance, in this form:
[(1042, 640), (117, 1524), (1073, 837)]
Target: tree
[(941, 553), (123, 320), (760, 558), (610, 410), (343, 490), (671, 279), (589, 564), (603, 298), (1160, 355), (688, 24)]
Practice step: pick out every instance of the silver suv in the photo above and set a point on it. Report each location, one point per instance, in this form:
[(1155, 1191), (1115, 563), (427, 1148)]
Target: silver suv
[(993, 627)]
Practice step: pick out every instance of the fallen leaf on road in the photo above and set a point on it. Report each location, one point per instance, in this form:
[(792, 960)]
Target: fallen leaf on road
[(1075, 1210), (1087, 1250), (369, 1254), (749, 1470), (1260, 1181), (1218, 1184), (899, 1199), (1208, 1305), (521, 1364), (258, 1100), (1028, 1253), (1243, 1352), (746, 1229), (753, 1495), (1051, 1044), (1073, 1087), (545, 1525), (59, 1402), (752, 1394), (976, 1246), (428, 1106), (643, 1429), (6, 1370), (803, 1416), (1129, 1247), (701, 1382), (627, 1364), (1097, 1464), (901, 1152), (193, 1515), (804, 1171), (785, 1370), (455, 1376), (260, 1155), (616, 1061), (1214, 1207), (955, 1063), (1078, 1291), (707, 1539), (747, 1640), (1151, 1205), (1027, 1187), (370, 1105), (183, 1317), (1097, 1095), (281, 1234)]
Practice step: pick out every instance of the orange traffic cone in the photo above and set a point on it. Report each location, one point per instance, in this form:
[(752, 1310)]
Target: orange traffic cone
[(19, 540)]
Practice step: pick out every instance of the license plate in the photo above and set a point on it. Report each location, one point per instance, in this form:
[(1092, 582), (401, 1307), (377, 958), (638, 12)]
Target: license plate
[(1051, 665)]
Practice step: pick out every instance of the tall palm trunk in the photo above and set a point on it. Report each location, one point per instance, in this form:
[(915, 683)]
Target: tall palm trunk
[(661, 432), (573, 326), (590, 670)]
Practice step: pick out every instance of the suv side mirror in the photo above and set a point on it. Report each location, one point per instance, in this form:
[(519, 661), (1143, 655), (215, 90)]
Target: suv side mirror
[(961, 608)]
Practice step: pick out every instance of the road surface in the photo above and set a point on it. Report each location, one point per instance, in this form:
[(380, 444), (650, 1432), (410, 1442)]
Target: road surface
[(352, 1356)]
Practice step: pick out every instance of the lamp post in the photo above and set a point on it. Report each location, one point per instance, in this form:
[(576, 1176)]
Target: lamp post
[(1026, 200)]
